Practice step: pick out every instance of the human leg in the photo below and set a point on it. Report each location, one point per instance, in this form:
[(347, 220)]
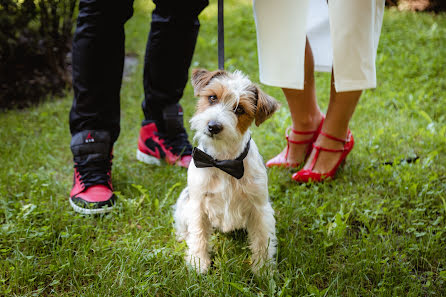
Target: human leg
[(305, 116), (355, 29), (98, 59), (169, 51), (340, 110), (286, 60), (170, 47)]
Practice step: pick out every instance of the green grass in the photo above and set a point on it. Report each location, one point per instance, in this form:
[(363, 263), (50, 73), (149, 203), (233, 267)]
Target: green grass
[(377, 230)]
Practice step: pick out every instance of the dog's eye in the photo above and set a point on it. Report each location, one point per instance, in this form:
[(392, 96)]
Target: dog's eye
[(212, 99), (239, 110)]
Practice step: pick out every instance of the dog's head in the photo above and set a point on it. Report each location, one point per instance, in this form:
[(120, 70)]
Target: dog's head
[(228, 104)]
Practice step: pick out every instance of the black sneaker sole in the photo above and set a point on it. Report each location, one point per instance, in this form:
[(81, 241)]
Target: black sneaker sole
[(94, 208)]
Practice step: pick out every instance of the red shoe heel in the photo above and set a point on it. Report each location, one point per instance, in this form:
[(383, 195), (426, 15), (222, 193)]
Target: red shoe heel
[(281, 159), (305, 175)]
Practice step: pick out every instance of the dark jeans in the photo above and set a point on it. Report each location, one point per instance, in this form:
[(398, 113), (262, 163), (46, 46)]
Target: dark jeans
[(98, 60)]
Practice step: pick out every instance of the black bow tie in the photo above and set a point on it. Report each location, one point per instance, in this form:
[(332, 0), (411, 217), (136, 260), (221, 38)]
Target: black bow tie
[(232, 167)]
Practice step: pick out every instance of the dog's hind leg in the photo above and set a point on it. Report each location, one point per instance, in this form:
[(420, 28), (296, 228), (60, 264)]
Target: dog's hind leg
[(262, 236)]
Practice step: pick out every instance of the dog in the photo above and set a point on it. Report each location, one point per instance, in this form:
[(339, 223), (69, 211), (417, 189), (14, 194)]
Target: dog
[(227, 183)]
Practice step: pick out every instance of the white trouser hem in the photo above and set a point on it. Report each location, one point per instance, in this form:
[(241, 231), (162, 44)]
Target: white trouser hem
[(322, 68), (298, 85), (354, 85)]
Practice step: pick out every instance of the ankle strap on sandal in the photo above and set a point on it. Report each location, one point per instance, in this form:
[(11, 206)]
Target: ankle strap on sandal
[(306, 141), (320, 148), (334, 138), (303, 132)]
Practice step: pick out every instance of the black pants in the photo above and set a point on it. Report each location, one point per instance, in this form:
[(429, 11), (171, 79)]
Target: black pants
[(98, 60)]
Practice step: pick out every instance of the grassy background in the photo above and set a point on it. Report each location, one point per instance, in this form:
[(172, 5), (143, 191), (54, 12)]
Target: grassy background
[(377, 230)]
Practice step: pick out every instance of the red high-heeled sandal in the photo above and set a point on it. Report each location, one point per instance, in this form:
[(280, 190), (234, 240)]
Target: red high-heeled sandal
[(281, 159), (305, 175)]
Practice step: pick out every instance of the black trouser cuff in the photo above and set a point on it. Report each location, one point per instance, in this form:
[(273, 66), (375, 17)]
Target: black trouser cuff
[(89, 145)]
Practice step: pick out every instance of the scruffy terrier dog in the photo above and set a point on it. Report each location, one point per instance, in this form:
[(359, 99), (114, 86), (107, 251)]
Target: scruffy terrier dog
[(227, 184)]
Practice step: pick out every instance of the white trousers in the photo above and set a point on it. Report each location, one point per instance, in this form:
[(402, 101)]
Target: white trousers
[(343, 35)]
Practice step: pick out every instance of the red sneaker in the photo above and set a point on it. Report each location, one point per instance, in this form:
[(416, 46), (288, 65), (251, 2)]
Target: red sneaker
[(154, 146), (92, 191)]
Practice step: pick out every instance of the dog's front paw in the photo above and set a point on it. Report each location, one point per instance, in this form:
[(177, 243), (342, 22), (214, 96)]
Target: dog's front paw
[(200, 263)]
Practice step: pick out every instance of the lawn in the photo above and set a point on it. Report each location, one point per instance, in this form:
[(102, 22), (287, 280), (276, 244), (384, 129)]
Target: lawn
[(378, 230)]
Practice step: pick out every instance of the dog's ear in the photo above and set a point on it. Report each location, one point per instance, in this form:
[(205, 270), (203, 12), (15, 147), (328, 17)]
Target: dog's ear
[(202, 77), (266, 106)]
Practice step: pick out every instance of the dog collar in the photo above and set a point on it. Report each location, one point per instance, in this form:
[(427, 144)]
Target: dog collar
[(232, 167)]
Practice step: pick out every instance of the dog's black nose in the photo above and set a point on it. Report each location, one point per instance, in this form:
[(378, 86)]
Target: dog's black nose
[(214, 127)]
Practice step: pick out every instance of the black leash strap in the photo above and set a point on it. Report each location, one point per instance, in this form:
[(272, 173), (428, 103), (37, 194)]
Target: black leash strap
[(221, 37)]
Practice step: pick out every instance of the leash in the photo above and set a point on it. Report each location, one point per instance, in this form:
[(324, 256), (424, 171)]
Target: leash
[(221, 37)]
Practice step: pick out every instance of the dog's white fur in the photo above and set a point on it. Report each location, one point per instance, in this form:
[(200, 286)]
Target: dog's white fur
[(215, 199)]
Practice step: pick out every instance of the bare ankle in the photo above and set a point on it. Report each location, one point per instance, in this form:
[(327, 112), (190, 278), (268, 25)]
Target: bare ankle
[(307, 123)]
